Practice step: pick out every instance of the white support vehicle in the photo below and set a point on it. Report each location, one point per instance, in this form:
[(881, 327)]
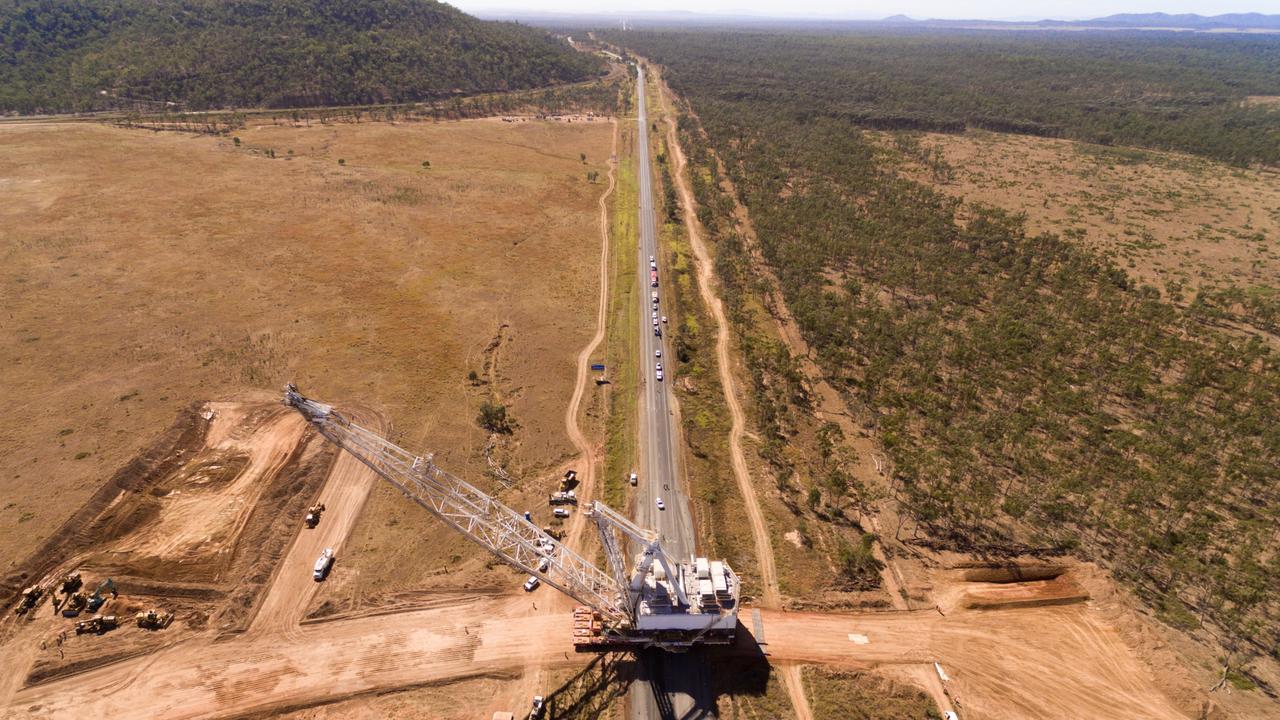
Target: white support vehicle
[(323, 564), (531, 584)]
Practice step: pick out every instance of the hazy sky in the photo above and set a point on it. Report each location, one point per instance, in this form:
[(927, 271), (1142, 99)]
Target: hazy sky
[(961, 9)]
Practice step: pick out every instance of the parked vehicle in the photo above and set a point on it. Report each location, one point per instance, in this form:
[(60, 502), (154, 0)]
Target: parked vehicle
[(661, 505), (634, 479), (560, 513), (531, 584)]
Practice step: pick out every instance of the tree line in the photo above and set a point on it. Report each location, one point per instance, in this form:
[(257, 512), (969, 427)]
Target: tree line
[(65, 55), (1028, 393)]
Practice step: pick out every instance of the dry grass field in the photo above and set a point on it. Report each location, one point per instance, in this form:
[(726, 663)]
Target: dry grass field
[(1173, 221), (144, 271)]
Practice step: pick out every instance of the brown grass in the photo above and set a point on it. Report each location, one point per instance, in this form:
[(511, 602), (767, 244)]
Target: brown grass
[(144, 271), (1164, 217)]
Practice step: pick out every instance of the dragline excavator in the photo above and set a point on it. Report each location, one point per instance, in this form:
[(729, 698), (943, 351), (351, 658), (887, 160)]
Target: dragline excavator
[(657, 601)]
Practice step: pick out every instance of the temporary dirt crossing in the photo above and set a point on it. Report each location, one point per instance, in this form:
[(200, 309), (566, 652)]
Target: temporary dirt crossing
[(318, 663), (1047, 662)]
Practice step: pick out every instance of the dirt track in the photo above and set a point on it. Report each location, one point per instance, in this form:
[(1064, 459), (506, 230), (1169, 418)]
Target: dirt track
[(790, 673), (292, 586)]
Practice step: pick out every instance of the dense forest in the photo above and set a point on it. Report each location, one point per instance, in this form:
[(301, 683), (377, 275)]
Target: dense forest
[(67, 55), (1028, 393), (1158, 90)]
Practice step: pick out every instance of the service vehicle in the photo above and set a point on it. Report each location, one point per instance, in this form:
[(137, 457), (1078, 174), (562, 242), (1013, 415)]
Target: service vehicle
[(531, 584), (634, 479), (664, 319), (657, 353), (323, 565), (560, 513), (539, 706), (661, 505)]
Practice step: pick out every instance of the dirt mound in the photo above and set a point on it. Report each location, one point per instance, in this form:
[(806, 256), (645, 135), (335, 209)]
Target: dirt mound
[(1010, 572), (991, 586)]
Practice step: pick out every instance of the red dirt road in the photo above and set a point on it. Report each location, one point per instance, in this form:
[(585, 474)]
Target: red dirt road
[(1046, 662), (313, 664)]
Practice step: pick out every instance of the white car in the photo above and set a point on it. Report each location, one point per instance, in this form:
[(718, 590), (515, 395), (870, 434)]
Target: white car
[(538, 706), (544, 563), (657, 353), (531, 584), (659, 375), (560, 513), (664, 318), (635, 479), (655, 322), (650, 259), (661, 505), (655, 313)]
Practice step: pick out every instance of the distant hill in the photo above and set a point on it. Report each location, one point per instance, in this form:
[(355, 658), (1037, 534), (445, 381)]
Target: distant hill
[(1188, 21), (70, 55), (1232, 21)]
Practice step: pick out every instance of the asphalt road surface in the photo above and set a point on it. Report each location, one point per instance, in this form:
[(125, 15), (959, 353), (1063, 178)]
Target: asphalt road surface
[(671, 686)]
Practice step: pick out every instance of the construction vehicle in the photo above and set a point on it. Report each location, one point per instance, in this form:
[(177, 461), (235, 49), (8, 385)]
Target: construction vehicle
[(75, 602), (153, 619), (30, 596), (569, 481), (323, 564), (568, 497), (71, 582), (96, 600), (655, 601), (313, 515), (97, 624)]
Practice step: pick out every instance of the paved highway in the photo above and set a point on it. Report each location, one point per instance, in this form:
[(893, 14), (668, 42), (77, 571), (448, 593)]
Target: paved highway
[(670, 686)]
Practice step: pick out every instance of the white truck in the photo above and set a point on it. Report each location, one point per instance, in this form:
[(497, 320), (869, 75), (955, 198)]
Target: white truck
[(323, 564)]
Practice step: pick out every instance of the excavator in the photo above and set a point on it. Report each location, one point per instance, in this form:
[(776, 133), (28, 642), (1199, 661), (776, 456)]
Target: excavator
[(154, 619), (96, 600)]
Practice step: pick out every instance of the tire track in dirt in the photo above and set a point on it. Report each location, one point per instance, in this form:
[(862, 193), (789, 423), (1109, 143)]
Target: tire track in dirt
[(576, 436), (531, 678), (790, 673), (292, 588)]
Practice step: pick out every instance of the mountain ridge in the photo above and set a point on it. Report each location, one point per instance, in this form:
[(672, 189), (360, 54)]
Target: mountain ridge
[(66, 55)]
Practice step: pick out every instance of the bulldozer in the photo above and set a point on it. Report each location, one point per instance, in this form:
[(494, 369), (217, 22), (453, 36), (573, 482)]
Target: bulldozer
[(75, 602), (97, 624), (154, 619), (313, 515), (71, 582)]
